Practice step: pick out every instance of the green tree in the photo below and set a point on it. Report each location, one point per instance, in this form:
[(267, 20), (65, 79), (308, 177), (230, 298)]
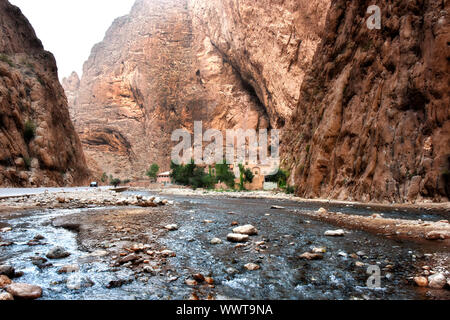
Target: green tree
[(29, 131), (224, 174), (280, 178), (116, 182), (104, 177), (152, 173), (245, 175)]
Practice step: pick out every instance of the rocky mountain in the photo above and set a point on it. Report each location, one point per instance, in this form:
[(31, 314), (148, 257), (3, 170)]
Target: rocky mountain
[(170, 62), (38, 143), (373, 120), (364, 111)]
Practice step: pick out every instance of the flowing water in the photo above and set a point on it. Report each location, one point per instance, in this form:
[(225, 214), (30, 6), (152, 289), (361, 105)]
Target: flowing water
[(286, 233)]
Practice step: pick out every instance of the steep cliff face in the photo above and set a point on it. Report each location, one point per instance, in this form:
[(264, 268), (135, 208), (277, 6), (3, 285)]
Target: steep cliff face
[(373, 119), (38, 143), (171, 62)]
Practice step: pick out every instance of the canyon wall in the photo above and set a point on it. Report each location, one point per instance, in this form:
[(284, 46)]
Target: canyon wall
[(372, 123), (171, 62), (365, 113), (38, 143)]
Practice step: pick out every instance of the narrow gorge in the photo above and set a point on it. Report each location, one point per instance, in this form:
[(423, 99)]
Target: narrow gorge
[(38, 143), (365, 112)]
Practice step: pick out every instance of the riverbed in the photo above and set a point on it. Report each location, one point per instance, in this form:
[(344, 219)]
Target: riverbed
[(99, 237)]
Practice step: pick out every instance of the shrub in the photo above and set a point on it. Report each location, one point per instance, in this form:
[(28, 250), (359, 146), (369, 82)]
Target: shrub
[(152, 173), (29, 131), (280, 178), (224, 174), (6, 59), (116, 182), (27, 162)]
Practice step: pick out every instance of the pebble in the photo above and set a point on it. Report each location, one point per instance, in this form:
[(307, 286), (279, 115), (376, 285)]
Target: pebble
[(69, 269), (252, 266), (4, 281), (199, 277), (6, 296), (359, 264), (24, 291), (437, 235), (236, 237), (322, 211), (342, 254), (335, 233), (7, 229), (172, 227), (216, 241), (319, 250), (57, 253), (191, 282), (311, 256), (209, 280), (247, 229), (437, 281), (7, 271), (277, 207), (168, 253), (128, 258), (421, 281)]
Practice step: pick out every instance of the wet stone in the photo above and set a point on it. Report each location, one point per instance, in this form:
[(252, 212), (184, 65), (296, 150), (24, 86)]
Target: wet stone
[(57, 253), (24, 291)]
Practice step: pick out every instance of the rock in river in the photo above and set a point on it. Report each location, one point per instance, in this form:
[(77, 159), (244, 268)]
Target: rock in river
[(252, 266), (335, 233), (7, 271), (69, 269), (4, 281), (24, 291), (216, 241), (57, 253), (421, 281), (247, 229), (5, 296), (171, 227), (236, 237), (437, 281), (311, 256)]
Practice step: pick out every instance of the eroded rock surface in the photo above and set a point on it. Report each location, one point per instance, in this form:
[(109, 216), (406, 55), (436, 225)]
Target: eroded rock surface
[(373, 120), (38, 143)]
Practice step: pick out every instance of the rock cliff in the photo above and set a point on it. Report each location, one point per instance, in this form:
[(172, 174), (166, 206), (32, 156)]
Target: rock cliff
[(171, 62), (372, 122), (38, 143), (365, 112)]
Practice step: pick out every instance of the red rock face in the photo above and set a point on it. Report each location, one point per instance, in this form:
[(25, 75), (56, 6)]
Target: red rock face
[(171, 62), (372, 122), (38, 143)]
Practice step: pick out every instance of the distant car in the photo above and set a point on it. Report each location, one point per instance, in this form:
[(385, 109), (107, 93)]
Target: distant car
[(94, 185)]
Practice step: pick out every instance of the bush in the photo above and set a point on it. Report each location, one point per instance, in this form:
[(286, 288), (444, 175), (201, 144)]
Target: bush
[(6, 59), (280, 178), (152, 173), (29, 131), (225, 175), (27, 162), (290, 190), (116, 182), (191, 175), (104, 177)]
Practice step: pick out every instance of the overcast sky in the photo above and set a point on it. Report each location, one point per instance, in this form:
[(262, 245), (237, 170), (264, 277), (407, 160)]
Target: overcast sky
[(70, 28)]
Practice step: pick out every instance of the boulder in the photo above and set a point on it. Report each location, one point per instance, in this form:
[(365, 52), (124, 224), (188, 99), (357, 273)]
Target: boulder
[(438, 235), (247, 229), (24, 291), (237, 237)]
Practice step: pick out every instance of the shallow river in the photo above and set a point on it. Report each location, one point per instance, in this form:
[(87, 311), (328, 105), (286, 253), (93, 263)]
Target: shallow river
[(286, 233)]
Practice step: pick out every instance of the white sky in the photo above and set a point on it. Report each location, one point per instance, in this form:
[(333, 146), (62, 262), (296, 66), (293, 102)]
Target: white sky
[(70, 28)]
